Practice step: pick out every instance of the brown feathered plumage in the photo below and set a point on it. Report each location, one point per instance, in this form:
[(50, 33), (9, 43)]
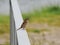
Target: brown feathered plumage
[(24, 23)]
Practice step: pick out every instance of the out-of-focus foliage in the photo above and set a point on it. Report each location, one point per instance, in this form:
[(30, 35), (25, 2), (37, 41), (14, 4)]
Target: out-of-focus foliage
[(43, 25), (4, 24), (49, 15), (4, 29)]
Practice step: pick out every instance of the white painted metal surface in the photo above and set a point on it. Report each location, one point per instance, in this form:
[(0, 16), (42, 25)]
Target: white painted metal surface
[(16, 13), (21, 34), (23, 37)]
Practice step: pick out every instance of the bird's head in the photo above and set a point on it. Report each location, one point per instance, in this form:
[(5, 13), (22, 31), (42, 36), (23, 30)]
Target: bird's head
[(26, 20)]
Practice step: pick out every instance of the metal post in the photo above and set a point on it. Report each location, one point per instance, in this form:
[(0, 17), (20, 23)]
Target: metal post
[(17, 20), (13, 37)]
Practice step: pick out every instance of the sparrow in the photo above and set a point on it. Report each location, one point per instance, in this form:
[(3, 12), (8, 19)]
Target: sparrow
[(24, 23)]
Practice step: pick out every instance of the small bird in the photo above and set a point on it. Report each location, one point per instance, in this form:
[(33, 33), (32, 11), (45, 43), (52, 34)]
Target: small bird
[(24, 23)]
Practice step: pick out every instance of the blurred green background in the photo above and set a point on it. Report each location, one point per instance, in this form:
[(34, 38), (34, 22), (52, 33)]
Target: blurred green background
[(44, 21), (47, 16), (4, 29), (44, 25)]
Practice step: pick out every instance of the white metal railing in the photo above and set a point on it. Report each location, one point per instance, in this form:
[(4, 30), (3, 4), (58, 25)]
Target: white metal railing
[(22, 35)]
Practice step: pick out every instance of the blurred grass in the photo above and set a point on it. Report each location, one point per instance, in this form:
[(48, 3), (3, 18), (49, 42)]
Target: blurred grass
[(38, 31), (7, 43), (47, 15), (4, 24), (50, 15), (33, 30), (5, 27), (4, 19)]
